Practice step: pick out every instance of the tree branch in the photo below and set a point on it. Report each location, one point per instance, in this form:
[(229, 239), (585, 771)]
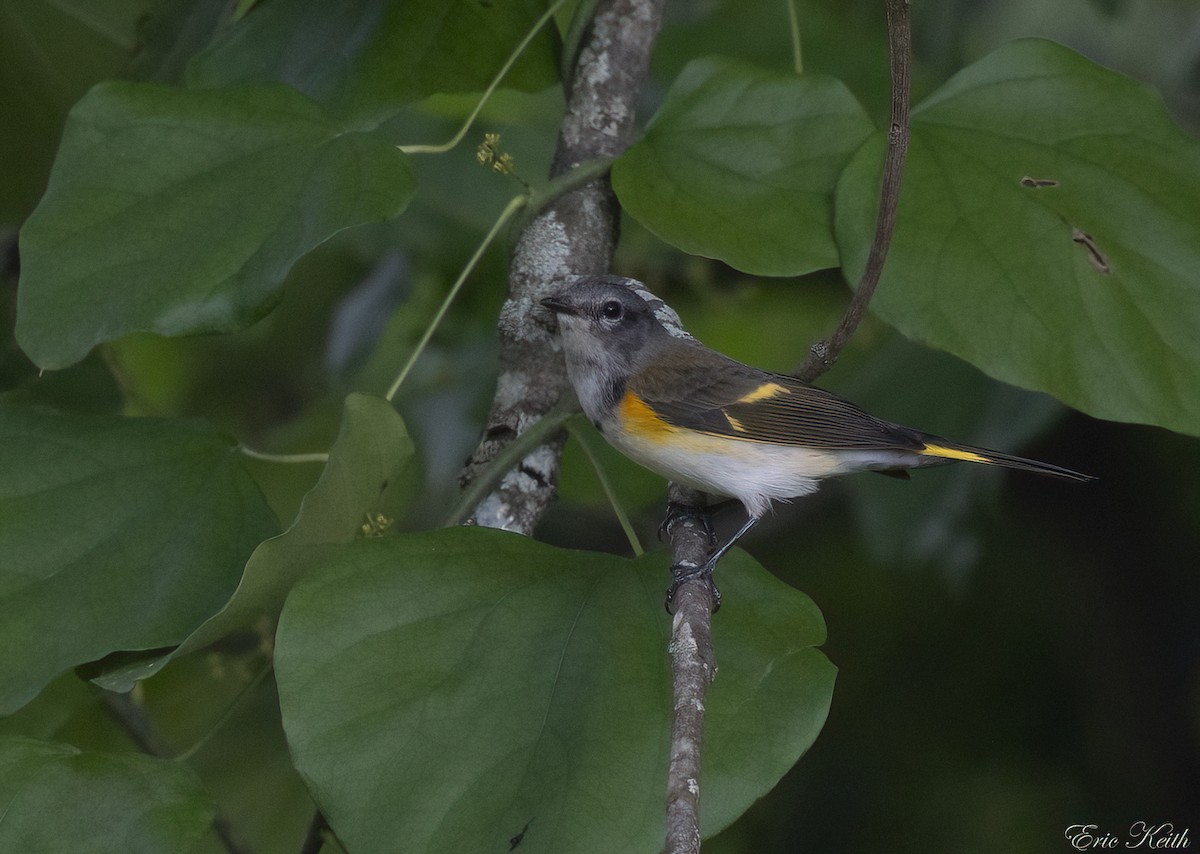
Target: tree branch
[(693, 665), (574, 235), (824, 353)]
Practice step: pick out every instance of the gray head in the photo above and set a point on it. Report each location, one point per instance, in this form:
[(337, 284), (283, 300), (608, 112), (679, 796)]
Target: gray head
[(608, 332), (609, 319)]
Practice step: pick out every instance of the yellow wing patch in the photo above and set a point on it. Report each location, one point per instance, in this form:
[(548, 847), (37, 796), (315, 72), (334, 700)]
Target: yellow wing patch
[(635, 416), (763, 392), (953, 454)]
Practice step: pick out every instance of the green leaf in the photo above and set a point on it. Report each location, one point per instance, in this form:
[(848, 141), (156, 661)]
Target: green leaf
[(842, 40), (171, 33), (117, 534), (180, 212), (56, 798), (371, 459), (1047, 233), (455, 689), (54, 50), (387, 53), (740, 164)]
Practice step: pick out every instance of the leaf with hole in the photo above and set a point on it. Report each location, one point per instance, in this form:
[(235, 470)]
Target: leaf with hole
[(1047, 233)]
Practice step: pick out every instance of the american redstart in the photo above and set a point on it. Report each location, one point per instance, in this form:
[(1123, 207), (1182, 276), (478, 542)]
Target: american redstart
[(702, 419)]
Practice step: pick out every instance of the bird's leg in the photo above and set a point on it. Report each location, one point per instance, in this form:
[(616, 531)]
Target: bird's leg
[(684, 572), (678, 512)]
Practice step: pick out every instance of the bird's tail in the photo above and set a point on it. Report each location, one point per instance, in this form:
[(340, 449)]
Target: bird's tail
[(942, 449)]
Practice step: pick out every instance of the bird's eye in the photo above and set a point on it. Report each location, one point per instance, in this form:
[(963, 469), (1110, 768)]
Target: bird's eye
[(612, 310)]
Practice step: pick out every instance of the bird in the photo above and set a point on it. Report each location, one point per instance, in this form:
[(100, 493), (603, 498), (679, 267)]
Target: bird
[(700, 418)]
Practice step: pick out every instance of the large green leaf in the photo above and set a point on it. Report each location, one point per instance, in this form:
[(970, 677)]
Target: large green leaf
[(1048, 233), (56, 798), (740, 164), (366, 58), (115, 534), (459, 688), (182, 211), (371, 459)]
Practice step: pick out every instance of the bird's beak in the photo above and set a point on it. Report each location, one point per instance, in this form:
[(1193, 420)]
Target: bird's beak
[(558, 306)]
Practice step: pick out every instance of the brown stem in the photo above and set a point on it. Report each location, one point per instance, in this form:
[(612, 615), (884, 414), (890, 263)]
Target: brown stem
[(824, 353), (692, 657), (314, 838), (693, 665)]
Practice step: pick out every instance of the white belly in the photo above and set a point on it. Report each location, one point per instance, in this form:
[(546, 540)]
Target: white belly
[(755, 473)]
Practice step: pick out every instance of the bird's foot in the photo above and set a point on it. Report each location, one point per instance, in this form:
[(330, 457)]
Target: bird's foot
[(681, 573), (677, 513)]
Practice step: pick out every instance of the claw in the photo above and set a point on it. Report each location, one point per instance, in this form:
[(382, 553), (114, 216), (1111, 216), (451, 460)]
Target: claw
[(681, 573), (677, 513)]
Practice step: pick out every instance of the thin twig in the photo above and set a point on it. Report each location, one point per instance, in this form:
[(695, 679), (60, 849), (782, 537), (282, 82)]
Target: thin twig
[(511, 208), (572, 41), (560, 185), (500, 75), (228, 714), (513, 453), (797, 45), (824, 353), (292, 459), (693, 665), (137, 725), (585, 444), (314, 839)]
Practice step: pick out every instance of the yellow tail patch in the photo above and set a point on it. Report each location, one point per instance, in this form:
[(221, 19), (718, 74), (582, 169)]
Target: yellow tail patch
[(953, 454)]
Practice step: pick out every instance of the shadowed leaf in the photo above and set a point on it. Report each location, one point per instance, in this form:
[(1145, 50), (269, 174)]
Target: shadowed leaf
[(371, 459), (57, 798), (388, 53), (117, 534)]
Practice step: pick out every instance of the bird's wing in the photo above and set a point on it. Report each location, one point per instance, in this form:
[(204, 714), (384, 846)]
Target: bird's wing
[(705, 391)]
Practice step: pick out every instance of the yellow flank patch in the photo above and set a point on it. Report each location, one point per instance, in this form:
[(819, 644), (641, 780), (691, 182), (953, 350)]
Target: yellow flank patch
[(952, 454), (636, 417), (764, 391), (734, 423)]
